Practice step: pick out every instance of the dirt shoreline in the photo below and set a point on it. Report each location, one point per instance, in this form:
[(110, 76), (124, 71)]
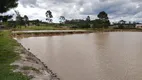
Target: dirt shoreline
[(29, 34), (31, 66), (50, 33)]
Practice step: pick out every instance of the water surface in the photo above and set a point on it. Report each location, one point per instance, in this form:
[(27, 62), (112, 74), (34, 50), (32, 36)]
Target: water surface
[(95, 56)]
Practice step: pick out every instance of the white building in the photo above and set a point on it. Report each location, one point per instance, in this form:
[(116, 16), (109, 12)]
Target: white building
[(138, 25)]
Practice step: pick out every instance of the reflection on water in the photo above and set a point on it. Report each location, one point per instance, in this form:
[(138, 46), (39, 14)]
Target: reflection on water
[(95, 56)]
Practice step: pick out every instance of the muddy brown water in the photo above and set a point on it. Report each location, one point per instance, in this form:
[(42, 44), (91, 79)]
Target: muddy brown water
[(94, 56)]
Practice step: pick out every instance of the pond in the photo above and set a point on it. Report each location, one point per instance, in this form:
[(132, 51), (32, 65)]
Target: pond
[(93, 56)]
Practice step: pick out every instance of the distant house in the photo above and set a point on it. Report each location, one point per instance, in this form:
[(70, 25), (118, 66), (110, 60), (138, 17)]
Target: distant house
[(138, 26)]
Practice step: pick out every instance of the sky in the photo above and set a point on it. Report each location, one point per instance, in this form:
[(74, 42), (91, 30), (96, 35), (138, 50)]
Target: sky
[(129, 10)]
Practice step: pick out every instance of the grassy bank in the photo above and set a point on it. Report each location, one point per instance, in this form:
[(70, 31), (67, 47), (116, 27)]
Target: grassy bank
[(23, 28), (8, 56), (39, 28), (48, 28)]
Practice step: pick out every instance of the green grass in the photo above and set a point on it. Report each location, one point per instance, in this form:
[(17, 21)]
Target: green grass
[(7, 56), (30, 68), (38, 28), (48, 28)]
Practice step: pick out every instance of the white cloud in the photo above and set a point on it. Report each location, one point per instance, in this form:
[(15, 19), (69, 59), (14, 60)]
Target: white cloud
[(117, 9)]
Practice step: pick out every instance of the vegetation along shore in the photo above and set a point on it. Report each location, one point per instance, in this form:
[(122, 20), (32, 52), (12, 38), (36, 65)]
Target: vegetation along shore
[(19, 64)]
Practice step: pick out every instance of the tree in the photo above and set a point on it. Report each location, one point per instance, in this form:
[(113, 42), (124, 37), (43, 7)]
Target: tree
[(62, 19), (103, 16), (104, 19), (26, 20), (97, 23), (88, 19), (6, 5), (121, 24), (36, 22), (49, 16), (19, 18), (5, 18)]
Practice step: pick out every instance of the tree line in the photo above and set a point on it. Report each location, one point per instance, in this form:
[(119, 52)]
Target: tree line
[(101, 22)]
